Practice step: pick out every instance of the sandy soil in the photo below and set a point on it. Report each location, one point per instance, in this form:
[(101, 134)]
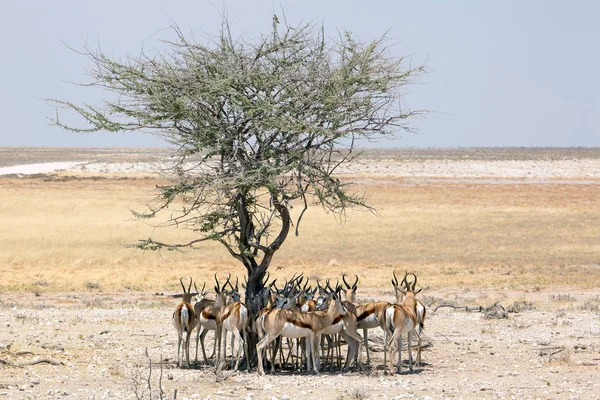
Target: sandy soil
[(550, 348), (549, 351)]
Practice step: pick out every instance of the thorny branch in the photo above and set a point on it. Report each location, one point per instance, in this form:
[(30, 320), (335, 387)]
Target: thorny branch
[(257, 127)]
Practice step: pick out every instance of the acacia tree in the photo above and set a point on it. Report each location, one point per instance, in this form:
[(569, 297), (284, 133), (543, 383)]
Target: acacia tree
[(256, 126)]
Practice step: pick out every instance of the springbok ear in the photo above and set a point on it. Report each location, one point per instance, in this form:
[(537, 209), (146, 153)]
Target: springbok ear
[(418, 291)]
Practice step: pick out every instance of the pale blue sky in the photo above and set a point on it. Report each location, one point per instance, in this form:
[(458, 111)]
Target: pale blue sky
[(509, 73)]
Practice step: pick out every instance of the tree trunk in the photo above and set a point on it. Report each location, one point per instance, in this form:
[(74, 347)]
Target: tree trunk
[(254, 302)]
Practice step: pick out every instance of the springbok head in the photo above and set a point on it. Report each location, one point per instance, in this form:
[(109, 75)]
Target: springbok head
[(187, 294), (350, 290), (200, 294)]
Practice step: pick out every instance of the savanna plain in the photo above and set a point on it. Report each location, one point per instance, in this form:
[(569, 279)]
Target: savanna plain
[(82, 315)]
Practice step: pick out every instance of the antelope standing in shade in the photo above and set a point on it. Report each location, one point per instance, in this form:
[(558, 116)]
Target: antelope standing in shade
[(201, 303), (368, 316), (421, 310), (208, 317), (400, 318), (234, 318), (344, 326), (296, 324), (184, 320)]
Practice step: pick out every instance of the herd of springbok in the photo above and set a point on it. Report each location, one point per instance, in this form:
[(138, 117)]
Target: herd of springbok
[(316, 317)]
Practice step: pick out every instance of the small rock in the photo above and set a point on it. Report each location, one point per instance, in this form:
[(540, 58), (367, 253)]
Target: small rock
[(268, 386)]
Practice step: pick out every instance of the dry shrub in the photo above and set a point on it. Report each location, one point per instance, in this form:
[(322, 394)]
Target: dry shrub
[(562, 297), (591, 305), (520, 306), (495, 312), (355, 394), (564, 358)]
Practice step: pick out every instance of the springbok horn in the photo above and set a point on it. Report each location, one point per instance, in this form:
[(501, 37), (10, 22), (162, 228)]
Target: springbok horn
[(217, 288), (298, 280), (346, 283), (190, 285), (404, 283), (354, 286), (327, 285), (394, 279), (414, 284), (182, 285)]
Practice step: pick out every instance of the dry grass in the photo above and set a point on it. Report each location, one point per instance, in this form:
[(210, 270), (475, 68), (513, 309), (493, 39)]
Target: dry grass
[(68, 235)]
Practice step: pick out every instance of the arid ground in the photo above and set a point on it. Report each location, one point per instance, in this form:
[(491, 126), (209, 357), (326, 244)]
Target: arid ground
[(516, 227)]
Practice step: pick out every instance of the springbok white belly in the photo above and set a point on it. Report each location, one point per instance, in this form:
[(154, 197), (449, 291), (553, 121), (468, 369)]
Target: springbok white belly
[(293, 331), (371, 321), (332, 329)]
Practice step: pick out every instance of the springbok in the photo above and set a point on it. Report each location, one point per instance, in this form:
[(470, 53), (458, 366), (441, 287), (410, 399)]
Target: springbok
[(201, 303), (208, 317), (234, 318), (184, 320), (344, 326), (368, 316), (421, 310), (400, 318), (296, 324)]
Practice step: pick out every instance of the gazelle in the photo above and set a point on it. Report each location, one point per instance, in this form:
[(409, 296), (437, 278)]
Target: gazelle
[(233, 318), (345, 326), (350, 293), (368, 316), (208, 317), (296, 324), (184, 320), (201, 303), (420, 307), (400, 318)]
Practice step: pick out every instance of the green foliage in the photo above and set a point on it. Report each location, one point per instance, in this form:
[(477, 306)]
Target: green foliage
[(255, 125)]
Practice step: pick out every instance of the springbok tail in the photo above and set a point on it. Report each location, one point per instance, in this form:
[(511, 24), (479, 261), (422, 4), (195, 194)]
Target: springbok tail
[(184, 318), (422, 320)]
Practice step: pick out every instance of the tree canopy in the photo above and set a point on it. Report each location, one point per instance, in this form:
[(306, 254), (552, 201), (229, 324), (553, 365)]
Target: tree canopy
[(255, 125)]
